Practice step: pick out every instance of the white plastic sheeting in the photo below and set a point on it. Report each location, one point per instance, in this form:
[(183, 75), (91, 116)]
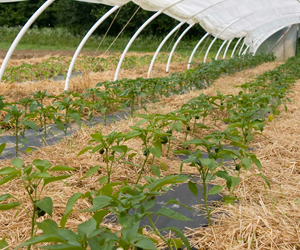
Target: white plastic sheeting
[(253, 20), (254, 17)]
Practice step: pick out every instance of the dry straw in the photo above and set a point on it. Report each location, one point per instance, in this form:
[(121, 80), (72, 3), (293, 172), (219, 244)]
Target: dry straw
[(262, 219)]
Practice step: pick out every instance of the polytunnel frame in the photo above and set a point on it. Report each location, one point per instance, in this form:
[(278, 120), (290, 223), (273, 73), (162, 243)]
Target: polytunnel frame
[(220, 49), (260, 40), (257, 41), (196, 47), (137, 33), (84, 40), (21, 34), (227, 48), (176, 44), (171, 33)]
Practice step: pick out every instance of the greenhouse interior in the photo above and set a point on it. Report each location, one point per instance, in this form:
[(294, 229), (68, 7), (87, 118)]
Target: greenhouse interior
[(184, 140)]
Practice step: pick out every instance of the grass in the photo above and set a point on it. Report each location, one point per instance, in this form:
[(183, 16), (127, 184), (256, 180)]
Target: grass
[(62, 39)]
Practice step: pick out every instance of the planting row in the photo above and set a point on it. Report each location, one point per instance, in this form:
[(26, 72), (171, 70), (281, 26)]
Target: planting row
[(55, 66), (41, 108), (244, 115)]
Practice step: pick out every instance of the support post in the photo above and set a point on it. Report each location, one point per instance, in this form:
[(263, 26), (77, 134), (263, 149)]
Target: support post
[(235, 47), (227, 47), (175, 45), (195, 49), (245, 51), (87, 36), (161, 45), (209, 47), (241, 49), (136, 35), (220, 49), (21, 34)]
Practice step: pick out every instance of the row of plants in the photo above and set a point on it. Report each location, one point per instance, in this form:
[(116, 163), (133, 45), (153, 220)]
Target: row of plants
[(133, 202), (55, 66), (41, 108)]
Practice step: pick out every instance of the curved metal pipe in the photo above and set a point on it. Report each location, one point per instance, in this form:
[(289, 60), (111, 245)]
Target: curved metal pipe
[(245, 51), (161, 45), (21, 34), (195, 49), (227, 47), (241, 49), (236, 45), (136, 34), (87, 36), (220, 49), (175, 45), (208, 49)]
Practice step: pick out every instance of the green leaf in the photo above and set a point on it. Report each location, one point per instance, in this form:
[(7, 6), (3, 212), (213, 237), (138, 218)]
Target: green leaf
[(41, 239), (132, 134), (28, 150), (97, 136), (193, 188), (98, 216), (16, 162), (2, 147), (177, 243), (145, 244), (155, 170), (46, 205), (172, 214), (7, 178), (84, 150), (99, 202), (103, 180), (91, 171), (86, 228), (156, 150), (3, 243), (75, 117), (256, 161), (195, 142), (9, 170), (31, 124), (62, 168), (246, 162), (210, 163), (42, 165), (266, 179), (215, 190), (57, 178), (69, 208), (180, 235), (63, 247), (48, 227), (171, 179), (5, 197), (9, 205), (238, 144), (163, 166)]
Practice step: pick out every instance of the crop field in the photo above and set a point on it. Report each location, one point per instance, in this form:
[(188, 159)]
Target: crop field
[(85, 168)]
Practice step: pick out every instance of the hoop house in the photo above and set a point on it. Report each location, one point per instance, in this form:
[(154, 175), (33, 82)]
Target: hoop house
[(252, 22)]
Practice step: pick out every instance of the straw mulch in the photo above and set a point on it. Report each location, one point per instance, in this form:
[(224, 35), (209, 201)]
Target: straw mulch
[(261, 219)]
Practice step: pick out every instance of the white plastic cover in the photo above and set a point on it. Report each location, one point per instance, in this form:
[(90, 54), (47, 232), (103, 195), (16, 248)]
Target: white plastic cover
[(227, 19)]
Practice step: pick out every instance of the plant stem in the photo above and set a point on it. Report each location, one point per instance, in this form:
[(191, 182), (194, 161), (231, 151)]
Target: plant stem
[(158, 233), (203, 176), (142, 169), (17, 136)]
